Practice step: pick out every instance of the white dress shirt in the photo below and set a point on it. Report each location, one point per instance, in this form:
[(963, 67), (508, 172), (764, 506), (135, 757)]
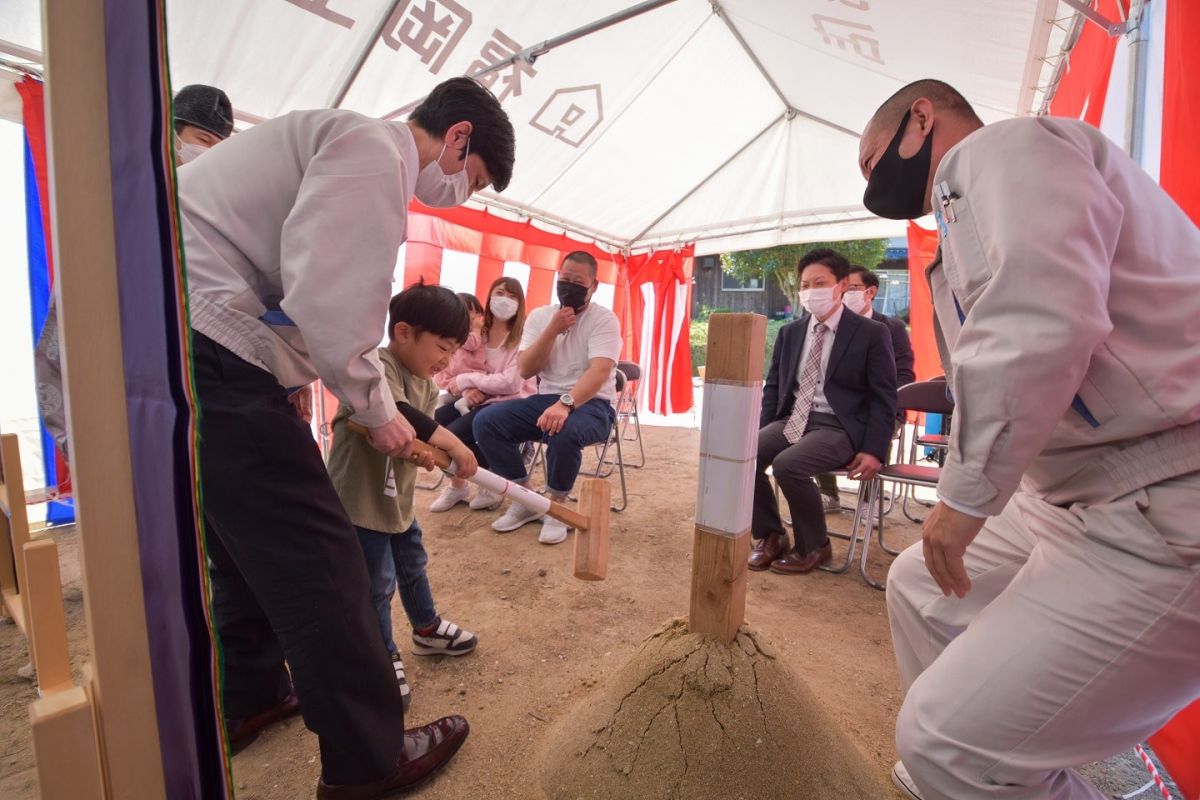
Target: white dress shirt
[(820, 404)]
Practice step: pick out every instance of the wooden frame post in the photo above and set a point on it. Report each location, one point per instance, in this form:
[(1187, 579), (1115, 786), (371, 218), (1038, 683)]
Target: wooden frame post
[(725, 489), (77, 135)]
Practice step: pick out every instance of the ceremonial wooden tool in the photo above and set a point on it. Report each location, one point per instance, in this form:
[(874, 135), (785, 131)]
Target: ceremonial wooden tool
[(590, 521)]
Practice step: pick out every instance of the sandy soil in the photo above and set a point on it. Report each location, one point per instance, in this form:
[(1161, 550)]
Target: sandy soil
[(546, 640)]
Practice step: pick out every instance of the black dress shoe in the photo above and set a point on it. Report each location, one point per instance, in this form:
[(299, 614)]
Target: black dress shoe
[(426, 750), (244, 731), (766, 550)]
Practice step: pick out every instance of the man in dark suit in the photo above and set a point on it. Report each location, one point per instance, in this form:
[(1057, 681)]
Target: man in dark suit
[(861, 288), (829, 402)]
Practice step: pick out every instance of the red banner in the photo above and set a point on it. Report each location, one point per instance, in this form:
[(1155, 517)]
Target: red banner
[(922, 247), (651, 292), (1083, 88)]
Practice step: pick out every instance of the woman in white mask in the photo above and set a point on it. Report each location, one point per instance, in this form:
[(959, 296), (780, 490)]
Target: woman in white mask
[(503, 322)]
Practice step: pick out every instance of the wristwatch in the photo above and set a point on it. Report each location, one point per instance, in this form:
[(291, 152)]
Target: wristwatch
[(567, 400)]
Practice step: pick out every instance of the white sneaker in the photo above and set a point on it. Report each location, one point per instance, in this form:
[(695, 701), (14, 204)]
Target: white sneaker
[(904, 782), (446, 640), (486, 500), (516, 516), (450, 497), (553, 531), (830, 504)]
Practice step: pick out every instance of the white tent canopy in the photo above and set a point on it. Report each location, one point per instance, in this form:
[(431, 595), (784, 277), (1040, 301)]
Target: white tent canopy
[(732, 124)]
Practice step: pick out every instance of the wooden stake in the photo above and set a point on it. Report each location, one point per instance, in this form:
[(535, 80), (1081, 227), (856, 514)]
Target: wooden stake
[(14, 534), (733, 388), (81, 197), (65, 746), (591, 542), (47, 620)]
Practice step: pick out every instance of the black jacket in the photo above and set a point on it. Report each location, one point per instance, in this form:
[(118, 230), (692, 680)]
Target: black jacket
[(860, 381), (901, 348)]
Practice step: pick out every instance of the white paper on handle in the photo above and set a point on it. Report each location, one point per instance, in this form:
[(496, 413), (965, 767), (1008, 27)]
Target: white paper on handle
[(729, 428), (502, 486)]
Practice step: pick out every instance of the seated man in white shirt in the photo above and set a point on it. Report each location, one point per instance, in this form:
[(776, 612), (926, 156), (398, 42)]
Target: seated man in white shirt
[(573, 348)]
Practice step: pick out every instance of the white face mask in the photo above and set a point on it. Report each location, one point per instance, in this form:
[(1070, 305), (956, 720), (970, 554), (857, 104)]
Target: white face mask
[(189, 151), (817, 302), (436, 189), (503, 308), (856, 301)]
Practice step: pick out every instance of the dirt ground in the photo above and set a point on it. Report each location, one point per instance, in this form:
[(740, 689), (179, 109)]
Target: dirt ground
[(546, 639)]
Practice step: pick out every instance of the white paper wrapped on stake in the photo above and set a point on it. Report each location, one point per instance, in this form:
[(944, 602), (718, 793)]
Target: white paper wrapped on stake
[(725, 500), (729, 429)]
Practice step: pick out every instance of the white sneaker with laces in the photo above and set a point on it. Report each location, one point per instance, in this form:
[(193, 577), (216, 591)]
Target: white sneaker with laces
[(450, 497), (486, 500), (516, 516), (553, 531), (904, 782)]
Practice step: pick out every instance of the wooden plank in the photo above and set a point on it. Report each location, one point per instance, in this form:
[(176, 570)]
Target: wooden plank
[(77, 138), (17, 520), (47, 620), (591, 543), (719, 573), (14, 604), (736, 344), (64, 745)]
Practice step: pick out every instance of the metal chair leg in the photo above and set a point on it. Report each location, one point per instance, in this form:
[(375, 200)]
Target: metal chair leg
[(859, 513), (876, 491), (637, 427)]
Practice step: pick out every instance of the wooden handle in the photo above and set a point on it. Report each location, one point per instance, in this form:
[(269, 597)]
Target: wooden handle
[(440, 457)]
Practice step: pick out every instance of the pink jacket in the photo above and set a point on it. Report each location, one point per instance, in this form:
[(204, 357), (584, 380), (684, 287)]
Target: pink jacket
[(471, 357), (505, 383)]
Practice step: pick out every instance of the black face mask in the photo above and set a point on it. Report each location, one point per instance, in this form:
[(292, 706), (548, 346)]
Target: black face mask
[(896, 188), (572, 295)]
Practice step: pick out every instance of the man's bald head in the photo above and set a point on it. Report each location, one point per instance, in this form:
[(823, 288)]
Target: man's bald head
[(944, 97), (906, 123)]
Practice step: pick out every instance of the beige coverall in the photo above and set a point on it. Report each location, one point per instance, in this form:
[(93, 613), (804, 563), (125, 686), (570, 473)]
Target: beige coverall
[(1067, 300)]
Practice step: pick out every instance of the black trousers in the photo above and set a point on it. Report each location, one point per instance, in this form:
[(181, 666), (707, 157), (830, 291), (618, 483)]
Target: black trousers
[(289, 581), (462, 426), (825, 445)]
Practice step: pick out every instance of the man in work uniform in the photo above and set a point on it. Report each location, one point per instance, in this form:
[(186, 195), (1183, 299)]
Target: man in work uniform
[(1051, 615), (291, 231)]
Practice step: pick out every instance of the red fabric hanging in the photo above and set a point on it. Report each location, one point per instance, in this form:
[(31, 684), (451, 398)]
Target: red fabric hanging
[(663, 277), (1180, 165), (1083, 88), (922, 247)]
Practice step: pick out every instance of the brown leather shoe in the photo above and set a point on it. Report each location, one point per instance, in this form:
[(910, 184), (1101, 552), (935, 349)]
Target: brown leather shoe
[(795, 563), (426, 750), (766, 550), (244, 731)]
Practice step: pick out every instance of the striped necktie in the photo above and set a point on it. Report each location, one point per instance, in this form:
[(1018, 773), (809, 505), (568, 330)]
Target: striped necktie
[(810, 376)]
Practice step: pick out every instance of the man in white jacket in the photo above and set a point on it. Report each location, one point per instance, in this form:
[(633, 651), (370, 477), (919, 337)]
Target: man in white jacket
[(291, 231), (1051, 615)]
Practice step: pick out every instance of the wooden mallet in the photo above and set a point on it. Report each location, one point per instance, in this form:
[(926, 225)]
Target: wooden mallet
[(590, 521)]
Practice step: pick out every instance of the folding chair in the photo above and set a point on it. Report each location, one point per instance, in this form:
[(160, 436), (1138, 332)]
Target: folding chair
[(627, 409), (604, 467), (927, 397)]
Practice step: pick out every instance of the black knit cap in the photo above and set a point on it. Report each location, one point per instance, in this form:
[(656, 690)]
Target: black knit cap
[(205, 107)]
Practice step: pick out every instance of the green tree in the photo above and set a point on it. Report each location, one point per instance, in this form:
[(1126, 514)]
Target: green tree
[(779, 263)]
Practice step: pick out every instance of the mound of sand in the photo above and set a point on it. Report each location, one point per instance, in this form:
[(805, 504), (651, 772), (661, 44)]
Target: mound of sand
[(689, 717)]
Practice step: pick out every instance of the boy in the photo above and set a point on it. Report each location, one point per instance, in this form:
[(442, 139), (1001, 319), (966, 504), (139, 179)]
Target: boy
[(426, 324)]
